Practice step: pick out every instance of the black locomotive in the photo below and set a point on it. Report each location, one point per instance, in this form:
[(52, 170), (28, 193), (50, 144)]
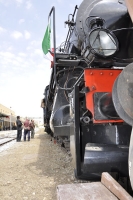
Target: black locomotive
[(88, 102)]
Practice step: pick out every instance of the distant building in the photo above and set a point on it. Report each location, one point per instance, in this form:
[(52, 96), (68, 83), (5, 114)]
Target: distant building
[(7, 118), (6, 111)]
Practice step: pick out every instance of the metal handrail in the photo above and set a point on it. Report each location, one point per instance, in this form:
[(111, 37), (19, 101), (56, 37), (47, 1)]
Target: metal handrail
[(54, 39)]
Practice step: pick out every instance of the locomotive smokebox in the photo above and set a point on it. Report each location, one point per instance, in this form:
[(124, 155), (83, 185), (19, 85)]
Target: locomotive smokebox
[(93, 14)]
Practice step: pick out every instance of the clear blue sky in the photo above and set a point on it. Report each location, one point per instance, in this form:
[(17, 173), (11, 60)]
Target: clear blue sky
[(24, 72)]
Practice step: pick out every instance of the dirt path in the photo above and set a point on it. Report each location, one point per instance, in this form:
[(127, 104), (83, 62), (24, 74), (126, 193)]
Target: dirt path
[(32, 170)]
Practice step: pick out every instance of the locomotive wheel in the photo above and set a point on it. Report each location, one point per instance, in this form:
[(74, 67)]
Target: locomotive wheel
[(130, 160), (122, 94)]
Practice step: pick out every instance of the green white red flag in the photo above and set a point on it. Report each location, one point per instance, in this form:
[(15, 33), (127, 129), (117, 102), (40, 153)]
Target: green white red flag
[(46, 40)]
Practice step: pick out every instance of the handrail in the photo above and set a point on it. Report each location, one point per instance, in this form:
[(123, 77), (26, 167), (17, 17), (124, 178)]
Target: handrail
[(54, 38)]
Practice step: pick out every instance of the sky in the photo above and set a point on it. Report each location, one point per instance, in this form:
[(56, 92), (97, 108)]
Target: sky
[(24, 71)]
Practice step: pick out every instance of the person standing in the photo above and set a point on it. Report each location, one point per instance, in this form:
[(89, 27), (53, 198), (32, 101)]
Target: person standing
[(19, 129), (32, 128), (27, 127)]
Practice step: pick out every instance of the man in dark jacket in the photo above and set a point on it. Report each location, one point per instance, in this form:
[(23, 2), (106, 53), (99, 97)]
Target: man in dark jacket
[(19, 129)]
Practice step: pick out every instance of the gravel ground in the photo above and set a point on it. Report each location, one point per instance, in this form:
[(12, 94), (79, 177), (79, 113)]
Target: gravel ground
[(32, 170)]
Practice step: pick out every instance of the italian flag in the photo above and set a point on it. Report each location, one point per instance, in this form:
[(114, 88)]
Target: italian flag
[(46, 44)]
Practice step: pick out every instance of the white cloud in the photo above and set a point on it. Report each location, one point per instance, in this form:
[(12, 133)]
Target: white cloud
[(19, 1), (3, 74), (22, 54), (6, 54), (21, 21), (28, 48), (60, 1), (28, 4), (10, 48), (9, 2), (6, 3), (27, 35), (2, 30), (35, 42), (16, 34), (38, 52)]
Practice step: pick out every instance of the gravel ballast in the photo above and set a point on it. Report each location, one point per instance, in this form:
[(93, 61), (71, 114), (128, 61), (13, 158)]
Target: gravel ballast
[(32, 170)]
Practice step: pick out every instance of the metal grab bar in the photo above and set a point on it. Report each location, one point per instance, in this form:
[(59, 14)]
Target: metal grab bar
[(54, 39)]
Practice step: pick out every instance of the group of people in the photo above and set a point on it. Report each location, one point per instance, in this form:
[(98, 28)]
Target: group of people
[(28, 127)]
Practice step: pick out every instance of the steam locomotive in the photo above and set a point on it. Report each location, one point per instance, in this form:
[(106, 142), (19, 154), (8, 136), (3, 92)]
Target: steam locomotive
[(88, 103)]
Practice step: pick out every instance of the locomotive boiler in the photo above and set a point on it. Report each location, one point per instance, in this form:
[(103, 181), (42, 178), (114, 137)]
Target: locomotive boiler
[(88, 102)]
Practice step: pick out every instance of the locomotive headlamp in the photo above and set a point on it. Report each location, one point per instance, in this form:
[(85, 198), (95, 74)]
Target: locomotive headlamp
[(103, 42)]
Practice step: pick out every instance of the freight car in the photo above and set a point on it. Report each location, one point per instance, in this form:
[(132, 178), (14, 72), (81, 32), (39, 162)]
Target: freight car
[(88, 102)]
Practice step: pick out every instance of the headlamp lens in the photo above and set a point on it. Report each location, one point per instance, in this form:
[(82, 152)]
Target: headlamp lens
[(103, 42)]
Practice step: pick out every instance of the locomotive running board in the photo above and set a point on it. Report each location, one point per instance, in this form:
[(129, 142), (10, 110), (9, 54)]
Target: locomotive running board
[(68, 62)]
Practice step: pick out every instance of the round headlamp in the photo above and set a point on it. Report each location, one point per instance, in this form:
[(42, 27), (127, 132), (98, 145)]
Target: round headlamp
[(103, 42)]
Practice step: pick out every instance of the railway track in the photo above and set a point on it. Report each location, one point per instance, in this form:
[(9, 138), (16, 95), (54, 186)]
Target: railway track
[(7, 136)]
